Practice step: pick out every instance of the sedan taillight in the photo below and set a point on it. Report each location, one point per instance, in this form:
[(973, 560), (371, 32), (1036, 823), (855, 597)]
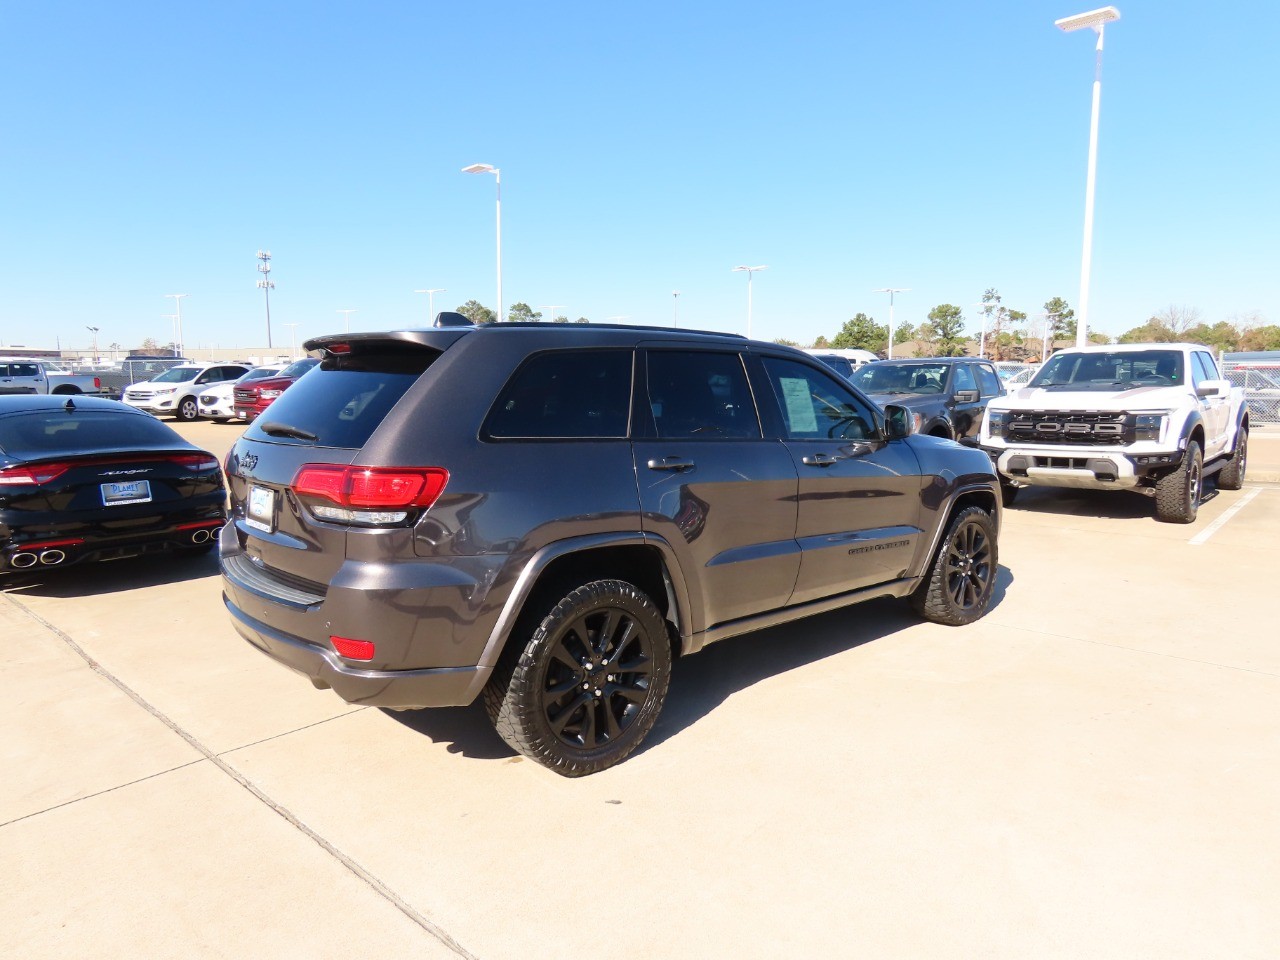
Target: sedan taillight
[(32, 476)]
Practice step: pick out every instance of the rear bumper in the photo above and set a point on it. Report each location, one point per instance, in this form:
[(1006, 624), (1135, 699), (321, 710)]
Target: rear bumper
[(73, 543), (394, 689)]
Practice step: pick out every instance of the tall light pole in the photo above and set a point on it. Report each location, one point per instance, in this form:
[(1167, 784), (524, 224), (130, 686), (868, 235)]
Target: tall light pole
[(293, 347), (748, 271), (431, 301), (177, 344), (497, 176), (675, 308), (266, 285), (982, 341), (891, 291), (173, 327), (1097, 20), (346, 315), (94, 331), (550, 307)]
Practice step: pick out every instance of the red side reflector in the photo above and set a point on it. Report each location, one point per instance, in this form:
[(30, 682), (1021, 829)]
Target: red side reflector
[(46, 544), (97, 383), (352, 649), (199, 524)]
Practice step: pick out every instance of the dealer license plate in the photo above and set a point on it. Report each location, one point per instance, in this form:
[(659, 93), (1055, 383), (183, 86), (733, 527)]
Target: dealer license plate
[(262, 508), (127, 491)]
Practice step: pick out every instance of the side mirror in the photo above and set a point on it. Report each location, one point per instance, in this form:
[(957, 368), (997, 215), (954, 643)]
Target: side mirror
[(899, 422), (966, 396), (1214, 388)]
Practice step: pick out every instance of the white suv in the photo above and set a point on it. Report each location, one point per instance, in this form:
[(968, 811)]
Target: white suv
[(174, 392)]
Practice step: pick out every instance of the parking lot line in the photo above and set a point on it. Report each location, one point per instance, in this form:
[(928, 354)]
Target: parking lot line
[(1221, 522)]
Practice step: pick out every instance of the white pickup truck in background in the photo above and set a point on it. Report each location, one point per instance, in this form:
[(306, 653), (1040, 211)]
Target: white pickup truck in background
[(1155, 418), (25, 375)]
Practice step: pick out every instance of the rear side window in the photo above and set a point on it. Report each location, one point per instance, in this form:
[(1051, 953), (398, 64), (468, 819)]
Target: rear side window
[(701, 395), (565, 394), (46, 433), (342, 401)]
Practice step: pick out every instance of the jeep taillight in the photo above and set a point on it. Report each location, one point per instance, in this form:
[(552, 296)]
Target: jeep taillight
[(371, 496)]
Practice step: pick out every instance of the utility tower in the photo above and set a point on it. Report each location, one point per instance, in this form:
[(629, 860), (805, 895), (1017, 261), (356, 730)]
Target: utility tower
[(267, 285)]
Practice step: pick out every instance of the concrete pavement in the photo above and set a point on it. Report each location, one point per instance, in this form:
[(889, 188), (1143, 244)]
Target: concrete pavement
[(1090, 771)]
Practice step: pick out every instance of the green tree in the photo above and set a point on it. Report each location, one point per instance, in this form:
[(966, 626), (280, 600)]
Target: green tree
[(1153, 331), (1059, 316), (477, 312), (906, 331), (1221, 336), (582, 320), (945, 329), (561, 319), (1260, 338), (523, 313), (1099, 338), (783, 341), (861, 333), (821, 343)]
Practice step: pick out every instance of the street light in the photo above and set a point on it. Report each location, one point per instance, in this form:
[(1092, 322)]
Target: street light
[(748, 271), (173, 322), (293, 347), (266, 285), (675, 308), (550, 307), (891, 291), (1097, 20), (982, 341), (497, 176), (346, 315), (431, 301), (94, 331), (177, 345)]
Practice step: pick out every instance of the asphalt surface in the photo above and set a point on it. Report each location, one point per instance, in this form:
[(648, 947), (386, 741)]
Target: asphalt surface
[(1090, 771)]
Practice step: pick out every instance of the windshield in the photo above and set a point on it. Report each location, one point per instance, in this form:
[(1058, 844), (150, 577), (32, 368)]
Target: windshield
[(259, 373), (1109, 370), (298, 367), (890, 378), (178, 375)]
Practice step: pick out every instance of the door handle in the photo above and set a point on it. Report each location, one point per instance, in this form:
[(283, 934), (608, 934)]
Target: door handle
[(671, 463), (819, 460)]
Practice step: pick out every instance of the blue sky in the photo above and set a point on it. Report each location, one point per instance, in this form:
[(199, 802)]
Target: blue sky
[(148, 149)]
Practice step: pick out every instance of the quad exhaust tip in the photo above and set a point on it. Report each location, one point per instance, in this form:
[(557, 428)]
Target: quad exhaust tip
[(23, 560), (202, 536), (51, 558)]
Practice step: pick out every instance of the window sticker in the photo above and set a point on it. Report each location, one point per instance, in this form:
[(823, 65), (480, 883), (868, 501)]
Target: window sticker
[(795, 393)]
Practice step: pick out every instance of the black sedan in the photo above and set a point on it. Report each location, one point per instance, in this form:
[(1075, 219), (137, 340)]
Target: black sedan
[(84, 478)]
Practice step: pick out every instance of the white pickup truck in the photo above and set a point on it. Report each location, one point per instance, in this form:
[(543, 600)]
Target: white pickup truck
[(1155, 418), (25, 375)]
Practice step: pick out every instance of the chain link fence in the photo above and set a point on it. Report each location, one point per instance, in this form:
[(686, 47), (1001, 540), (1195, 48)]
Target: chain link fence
[(1261, 383)]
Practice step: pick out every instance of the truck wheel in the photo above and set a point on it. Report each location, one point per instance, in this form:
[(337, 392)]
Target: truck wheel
[(188, 410), (1008, 493), (66, 389), (1178, 493), (1231, 477), (587, 686), (962, 577)]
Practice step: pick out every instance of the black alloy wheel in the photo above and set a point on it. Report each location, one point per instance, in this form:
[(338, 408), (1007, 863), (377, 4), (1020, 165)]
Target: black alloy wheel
[(588, 685), (961, 579)]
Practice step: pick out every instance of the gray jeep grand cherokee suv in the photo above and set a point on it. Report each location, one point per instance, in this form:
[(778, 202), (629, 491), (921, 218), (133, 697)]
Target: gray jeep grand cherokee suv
[(549, 515)]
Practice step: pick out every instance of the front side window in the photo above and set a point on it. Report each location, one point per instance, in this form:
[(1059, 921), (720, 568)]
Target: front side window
[(815, 406), (1204, 367), (964, 379), (989, 381), (701, 395), (565, 394)]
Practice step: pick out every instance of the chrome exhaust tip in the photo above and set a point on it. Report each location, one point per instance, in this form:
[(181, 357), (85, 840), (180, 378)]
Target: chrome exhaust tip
[(23, 560), (52, 557), (201, 536)]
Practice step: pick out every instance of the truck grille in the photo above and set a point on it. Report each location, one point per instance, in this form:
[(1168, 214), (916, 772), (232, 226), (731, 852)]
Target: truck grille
[(1085, 429), (246, 396)]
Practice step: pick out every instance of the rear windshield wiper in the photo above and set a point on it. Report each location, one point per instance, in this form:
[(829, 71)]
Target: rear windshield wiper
[(277, 429)]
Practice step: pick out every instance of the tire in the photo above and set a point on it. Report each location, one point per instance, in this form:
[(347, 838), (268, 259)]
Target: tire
[(1008, 493), (962, 575), (1231, 477), (1178, 493), (564, 700), (67, 390), (187, 410)]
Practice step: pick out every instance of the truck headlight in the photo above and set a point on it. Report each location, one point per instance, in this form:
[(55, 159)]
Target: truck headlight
[(995, 423), (1148, 426), (270, 394)]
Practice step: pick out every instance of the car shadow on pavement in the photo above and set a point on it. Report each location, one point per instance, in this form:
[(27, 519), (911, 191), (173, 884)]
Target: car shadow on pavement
[(96, 579), (700, 683), (1104, 504)]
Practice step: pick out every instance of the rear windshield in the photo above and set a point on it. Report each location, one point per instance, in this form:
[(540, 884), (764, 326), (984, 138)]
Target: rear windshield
[(342, 401), (44, 433), (299, 367)]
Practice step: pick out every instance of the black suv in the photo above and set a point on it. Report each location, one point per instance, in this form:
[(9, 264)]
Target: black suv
[(549, 515), (948, 395)]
